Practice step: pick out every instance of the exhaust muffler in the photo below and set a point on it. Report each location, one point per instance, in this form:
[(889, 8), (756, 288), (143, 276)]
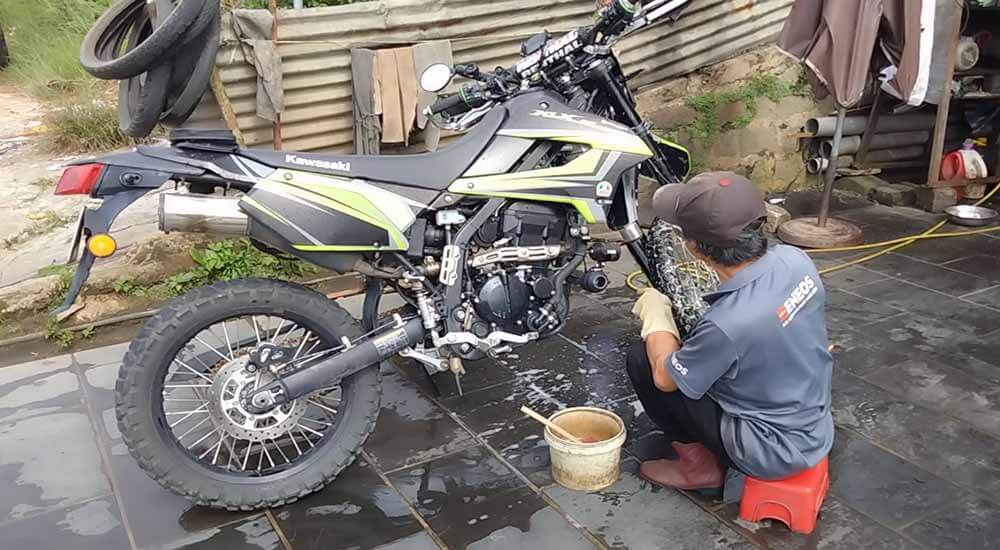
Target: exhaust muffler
[(189, 213)]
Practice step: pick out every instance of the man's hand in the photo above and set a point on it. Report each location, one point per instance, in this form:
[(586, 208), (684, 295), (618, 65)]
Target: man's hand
[(656, 313)]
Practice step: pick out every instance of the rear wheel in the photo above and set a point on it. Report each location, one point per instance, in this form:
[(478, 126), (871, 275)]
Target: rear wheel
[(179, 406)]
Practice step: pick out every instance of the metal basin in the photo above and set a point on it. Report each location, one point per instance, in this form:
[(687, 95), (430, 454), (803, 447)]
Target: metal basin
[(966, 214)]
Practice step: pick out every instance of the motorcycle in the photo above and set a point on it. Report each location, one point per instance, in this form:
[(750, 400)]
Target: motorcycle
[(253, 393)]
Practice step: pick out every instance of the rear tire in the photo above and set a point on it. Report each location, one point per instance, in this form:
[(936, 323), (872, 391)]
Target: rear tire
[(139, 402)]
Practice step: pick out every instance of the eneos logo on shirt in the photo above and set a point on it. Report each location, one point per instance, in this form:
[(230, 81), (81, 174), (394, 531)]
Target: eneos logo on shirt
[(797, 300)]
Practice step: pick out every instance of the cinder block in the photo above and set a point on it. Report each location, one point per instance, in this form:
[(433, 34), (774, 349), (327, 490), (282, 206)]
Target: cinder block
[(936, 199), (860, 185), (895, 194), (776, 216)]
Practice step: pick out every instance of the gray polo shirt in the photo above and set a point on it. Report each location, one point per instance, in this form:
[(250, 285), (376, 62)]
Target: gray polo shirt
[(761, 353)]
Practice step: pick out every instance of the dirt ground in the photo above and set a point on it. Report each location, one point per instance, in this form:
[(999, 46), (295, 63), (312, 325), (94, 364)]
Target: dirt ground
[(36, 228)]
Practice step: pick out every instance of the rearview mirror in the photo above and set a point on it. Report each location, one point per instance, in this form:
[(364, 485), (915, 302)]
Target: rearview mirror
[(436, 77)]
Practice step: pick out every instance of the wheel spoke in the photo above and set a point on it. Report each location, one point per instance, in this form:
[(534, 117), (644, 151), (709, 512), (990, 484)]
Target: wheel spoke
[(196, 373), (277, 331), (217, 447), (302, 344), (185, 417), (256, 329), (320, 422), (247, 457), (187, 386), (203, 438), (310, 430), (281, 452), (306, 437), (210, 348), (295, 443), (229, 345), (193, 428), (322, 406)]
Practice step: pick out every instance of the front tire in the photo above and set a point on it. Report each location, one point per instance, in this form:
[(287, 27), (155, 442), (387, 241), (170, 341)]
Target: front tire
[(148, 380)]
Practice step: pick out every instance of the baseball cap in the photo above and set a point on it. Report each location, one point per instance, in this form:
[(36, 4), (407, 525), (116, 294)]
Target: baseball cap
[(713, 207)]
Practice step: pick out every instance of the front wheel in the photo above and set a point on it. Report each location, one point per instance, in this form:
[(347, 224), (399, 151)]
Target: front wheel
[(179, 407)]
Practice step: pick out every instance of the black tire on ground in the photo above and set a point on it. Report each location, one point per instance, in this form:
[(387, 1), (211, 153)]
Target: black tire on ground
[(100, 53), (141, 378), (4, 54)]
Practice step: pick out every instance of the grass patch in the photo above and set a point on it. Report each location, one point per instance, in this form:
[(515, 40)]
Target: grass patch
[(220, 261), (44, 39), (62, 338), (83, 126), (65, 276), (707, 124)]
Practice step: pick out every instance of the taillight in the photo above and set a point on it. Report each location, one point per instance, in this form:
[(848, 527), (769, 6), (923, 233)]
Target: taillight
[(79, 180)]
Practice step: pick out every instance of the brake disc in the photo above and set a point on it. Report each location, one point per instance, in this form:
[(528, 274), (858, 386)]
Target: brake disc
[(232, 382)]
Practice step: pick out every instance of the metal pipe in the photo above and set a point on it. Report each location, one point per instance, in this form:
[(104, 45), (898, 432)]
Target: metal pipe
[(815, 165), (851, 144), (901, 153), (855, 125), (201, 214), (830, 173)]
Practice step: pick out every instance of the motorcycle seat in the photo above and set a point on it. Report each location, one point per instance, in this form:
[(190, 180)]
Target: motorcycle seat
[(435, 171)]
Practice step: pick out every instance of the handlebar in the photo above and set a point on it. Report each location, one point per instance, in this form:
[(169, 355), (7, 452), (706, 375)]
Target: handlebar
[(470, 96)]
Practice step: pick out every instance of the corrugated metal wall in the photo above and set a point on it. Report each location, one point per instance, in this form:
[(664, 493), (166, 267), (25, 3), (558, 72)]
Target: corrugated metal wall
[(315, 48)]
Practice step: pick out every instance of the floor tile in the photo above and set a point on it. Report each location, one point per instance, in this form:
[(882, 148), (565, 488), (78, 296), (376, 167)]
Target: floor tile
[(48, 460), (411, 428), (950, 448), (941, 279), (851, 310), (471, 497), (102, 356), (644, 439), (92, 525), (989, 297), (38, 387), (859, 353), (883, 486), (986, 266), (417, 541), (839, 527), (851, 277), (918, 334), (602, 334), (902, 295), (357, 510), (157, 516), (941, 387), (523, 445), (970, 525), (549, 376), (632, 513), (253, 533), (949, 249), (480, 374)]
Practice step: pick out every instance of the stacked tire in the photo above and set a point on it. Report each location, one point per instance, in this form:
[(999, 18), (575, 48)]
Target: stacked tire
[(161, 51)]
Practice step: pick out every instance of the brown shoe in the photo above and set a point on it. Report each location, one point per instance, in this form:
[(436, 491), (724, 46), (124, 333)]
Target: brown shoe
[(696, 469)]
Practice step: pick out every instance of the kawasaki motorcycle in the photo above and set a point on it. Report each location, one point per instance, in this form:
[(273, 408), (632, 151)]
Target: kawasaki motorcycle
[(252, 393)]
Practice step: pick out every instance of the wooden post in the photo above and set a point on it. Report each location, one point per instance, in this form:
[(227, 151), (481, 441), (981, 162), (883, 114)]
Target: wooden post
[(861, 157), (944, 106), (272, 5), (226, 106)]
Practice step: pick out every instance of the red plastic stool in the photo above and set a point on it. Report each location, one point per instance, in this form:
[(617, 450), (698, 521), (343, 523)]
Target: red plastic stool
[(794, 501)]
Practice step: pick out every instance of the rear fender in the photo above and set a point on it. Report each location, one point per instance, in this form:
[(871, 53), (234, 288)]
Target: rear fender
[(126, 178)]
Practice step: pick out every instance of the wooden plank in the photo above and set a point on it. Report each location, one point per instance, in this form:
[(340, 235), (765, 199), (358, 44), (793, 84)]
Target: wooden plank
[(226, 106), (944, 107)]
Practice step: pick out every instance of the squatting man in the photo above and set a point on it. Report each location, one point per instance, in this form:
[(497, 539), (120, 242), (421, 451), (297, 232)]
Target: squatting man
[(747, 392)]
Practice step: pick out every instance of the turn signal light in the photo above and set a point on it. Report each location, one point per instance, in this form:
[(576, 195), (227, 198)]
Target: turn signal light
[(101, 245), (80, 179)]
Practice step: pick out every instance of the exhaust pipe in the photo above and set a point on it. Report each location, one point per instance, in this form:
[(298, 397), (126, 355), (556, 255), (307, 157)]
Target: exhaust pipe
[(189, 213), (333, 369)]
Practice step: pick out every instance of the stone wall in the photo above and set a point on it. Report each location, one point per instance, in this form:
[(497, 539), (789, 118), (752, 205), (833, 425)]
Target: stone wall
[(765, 149)]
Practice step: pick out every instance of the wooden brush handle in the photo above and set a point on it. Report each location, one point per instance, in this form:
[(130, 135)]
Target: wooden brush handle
[(555, 428)]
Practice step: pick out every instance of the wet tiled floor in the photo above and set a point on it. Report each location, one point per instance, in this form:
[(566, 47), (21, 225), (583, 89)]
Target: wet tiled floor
[(916, 462)]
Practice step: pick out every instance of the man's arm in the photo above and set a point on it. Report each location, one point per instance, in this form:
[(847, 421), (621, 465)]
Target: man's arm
[(659, 345)]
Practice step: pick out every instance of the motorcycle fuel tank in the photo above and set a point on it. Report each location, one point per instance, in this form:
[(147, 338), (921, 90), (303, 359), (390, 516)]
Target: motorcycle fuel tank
[(547, 151)]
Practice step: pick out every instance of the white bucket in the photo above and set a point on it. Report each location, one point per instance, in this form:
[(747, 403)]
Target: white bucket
[(586, 466)]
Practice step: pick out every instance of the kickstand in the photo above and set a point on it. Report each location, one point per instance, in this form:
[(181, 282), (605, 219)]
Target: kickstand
[(430, 379)]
